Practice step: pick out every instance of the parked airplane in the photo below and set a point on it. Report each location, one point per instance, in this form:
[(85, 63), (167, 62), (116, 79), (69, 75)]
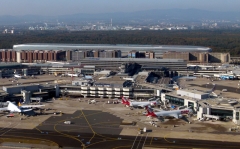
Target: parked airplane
[(93, 101), (137, 104), (175, 113), (19, 109), (73, 75), (18, 76), (207, 76), (212, 90)]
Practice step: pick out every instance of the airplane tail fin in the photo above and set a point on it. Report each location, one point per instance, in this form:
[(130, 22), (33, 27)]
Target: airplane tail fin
[(123, 100), (149, 110), (214, 87), (13, 107)]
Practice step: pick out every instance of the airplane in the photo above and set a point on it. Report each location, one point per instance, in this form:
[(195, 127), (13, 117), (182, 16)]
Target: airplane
[(20, 108), (18, 76), (212, 90), (136, 104), (92, 101), (73, 75), (207, 76), (175, 113)]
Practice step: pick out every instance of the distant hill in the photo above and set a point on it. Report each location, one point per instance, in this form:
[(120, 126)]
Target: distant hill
[(174, 15)]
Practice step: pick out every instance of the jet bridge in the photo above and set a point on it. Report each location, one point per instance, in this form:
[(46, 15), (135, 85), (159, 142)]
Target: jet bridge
[(211, 116)]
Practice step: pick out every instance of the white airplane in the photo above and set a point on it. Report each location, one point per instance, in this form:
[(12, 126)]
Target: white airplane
[(18, 76), (92, 101), (137, 104), (207, 76), (19, 109), (175, 113), (73, 75)]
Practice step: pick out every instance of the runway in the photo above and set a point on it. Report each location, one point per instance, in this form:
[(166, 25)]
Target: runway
[(96, 129)]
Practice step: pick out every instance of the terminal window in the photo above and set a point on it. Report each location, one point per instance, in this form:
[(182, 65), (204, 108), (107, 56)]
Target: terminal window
[(190, 104), (220, 112), (175, 100)]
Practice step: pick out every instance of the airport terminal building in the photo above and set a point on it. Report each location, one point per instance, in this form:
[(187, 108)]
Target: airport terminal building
[(105, 56), (123, 47), (204, 105)]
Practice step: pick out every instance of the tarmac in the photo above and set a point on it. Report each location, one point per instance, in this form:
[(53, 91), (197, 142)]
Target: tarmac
[(100, 125), (95, 129)]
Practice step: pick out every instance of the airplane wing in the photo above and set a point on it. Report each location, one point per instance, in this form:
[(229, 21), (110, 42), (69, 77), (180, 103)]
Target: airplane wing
[(143, 105), (26, 110), (157, 110), (174, 115), (31, 106)]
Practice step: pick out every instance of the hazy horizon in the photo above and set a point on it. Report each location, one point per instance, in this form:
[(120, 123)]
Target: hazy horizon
[(65, 7)]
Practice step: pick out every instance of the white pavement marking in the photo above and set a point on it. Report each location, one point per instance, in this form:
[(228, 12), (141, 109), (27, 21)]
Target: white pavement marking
[(144, 141), (134, 142), (139, 141)]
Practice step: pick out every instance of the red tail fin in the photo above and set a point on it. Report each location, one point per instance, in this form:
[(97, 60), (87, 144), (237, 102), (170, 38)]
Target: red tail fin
[(149, 111), (125, 101)]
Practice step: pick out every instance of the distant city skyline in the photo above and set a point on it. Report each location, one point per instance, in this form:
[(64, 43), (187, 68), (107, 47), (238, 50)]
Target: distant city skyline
[(64, 7)]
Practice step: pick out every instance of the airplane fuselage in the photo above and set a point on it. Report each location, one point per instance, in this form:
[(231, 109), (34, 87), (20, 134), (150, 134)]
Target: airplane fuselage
[(175, 113), (143, 104), (73, 75)]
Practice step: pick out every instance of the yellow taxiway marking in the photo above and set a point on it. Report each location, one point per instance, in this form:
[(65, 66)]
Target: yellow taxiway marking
[(151, 141), (69, 136), (94, 133), (166, 139), (38, 129)]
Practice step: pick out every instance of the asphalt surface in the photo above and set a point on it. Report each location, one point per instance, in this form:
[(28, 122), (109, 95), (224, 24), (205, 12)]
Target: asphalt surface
[(96, 129)]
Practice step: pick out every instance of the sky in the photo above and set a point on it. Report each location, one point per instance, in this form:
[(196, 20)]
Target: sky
[(62, 7)]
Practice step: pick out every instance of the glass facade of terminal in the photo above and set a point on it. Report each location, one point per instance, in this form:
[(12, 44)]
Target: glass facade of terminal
[(87, 71), (220, 112), (175, 100), (191, 104), (237, 115)]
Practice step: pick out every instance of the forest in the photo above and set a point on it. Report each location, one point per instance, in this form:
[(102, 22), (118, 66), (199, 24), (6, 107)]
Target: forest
[(218, 40)]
